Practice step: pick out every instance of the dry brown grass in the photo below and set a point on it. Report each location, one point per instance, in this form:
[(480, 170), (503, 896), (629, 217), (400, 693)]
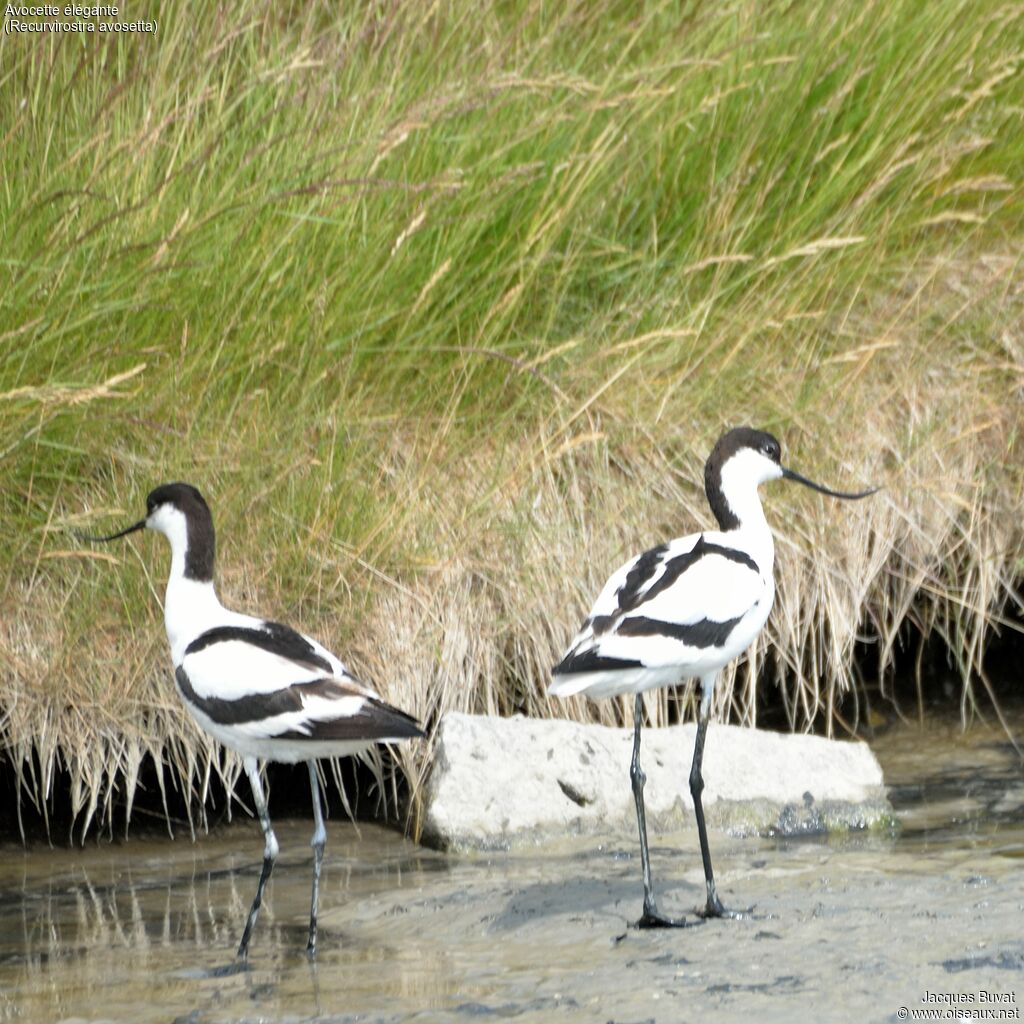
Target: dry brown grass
[(445, 340), (514, 558)]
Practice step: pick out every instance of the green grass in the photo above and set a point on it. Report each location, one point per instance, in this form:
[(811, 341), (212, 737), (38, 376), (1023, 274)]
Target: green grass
[(443, 306)]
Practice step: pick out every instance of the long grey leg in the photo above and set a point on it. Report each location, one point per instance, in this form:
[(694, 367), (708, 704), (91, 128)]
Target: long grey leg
[(652, 917), (714, 907), (318, 843), (270, 851)]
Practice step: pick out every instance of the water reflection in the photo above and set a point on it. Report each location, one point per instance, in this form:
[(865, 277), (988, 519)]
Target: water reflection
[(116, 928), (146, 930)]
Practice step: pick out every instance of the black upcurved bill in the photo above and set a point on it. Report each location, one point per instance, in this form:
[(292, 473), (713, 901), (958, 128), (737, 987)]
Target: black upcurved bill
[(140, 525), (789, 474)]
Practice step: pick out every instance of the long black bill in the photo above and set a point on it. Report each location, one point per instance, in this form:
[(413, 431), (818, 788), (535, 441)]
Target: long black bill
[(140, 525), (789, 474)]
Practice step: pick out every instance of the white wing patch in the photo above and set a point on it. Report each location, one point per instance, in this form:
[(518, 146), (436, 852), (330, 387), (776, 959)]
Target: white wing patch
[(239, 660), (684, 607), (231, 669), (714, 588)]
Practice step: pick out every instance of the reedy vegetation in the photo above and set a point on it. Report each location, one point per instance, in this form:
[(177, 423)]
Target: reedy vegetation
[(443, 305)]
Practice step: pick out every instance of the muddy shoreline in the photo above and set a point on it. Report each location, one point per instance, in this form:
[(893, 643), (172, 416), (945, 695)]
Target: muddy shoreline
[(842, 928)]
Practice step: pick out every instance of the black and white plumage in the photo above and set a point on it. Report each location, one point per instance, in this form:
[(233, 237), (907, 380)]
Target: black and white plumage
[(259, 687), (684, 610)]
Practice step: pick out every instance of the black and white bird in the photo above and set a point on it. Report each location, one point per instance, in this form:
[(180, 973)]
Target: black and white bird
[(257, 686), (684, 610)]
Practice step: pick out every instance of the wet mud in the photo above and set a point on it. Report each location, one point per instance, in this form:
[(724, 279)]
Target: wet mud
[(854, 927)]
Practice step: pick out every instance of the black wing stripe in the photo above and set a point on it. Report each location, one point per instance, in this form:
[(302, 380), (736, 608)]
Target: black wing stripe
[(253, 707), (274, 637), (643, 570), (591, 661), (631, 596), (375, 721), (705, 633), (732, 554)]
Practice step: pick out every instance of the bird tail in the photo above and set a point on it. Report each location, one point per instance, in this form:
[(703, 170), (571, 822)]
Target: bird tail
[(570, 684)]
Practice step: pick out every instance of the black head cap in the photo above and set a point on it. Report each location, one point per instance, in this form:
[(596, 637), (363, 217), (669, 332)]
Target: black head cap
[(738, 438), (183, 496), (731, 442), (201, 542)]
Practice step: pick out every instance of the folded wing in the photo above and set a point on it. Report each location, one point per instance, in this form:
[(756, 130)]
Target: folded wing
[(266, 681), (665, 614)]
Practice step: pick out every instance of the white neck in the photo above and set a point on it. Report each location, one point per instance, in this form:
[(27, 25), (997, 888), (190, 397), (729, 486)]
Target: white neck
[(190, 606), (739, 488)]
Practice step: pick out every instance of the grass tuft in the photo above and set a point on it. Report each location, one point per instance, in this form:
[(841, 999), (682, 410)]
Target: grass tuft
[(443, 306)]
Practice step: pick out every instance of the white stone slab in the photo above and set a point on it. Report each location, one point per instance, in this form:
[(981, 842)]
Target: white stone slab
[(496, 782)]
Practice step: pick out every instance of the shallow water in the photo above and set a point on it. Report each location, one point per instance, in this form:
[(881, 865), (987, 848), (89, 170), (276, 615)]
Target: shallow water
[(841, 929)]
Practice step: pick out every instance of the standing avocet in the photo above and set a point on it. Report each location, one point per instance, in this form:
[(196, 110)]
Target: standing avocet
[(684, 610), (259, 687)]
